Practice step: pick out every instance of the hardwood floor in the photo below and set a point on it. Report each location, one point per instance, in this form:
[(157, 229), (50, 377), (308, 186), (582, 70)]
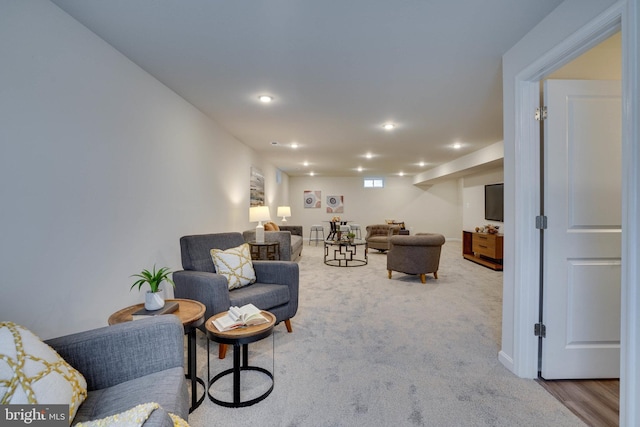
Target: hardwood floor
[(596, 402)]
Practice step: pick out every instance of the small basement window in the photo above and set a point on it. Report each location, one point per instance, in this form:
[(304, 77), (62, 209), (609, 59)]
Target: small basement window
[(373, 183)]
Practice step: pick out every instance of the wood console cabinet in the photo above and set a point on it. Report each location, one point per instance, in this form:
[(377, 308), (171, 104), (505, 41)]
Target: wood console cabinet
[(483, 248)]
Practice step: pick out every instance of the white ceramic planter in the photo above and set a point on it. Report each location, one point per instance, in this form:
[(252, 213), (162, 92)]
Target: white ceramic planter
[(153, 300)]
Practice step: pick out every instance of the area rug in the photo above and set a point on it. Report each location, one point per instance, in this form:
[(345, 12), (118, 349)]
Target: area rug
[(371, 351)]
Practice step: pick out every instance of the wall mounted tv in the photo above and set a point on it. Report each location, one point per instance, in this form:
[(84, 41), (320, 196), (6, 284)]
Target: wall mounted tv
[(494, 202)]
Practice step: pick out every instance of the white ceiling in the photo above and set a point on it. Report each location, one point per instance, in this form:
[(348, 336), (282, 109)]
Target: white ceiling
[(338, 70)]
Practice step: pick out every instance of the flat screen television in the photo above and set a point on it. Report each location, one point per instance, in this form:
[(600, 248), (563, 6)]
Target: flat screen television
[(494, 202)]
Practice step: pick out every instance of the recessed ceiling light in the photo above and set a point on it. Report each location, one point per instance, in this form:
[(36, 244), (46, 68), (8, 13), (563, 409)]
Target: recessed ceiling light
[(457, 146), (368, 155), (359, 168), (312, 173), (388, 126), (306, 163), (265, 98), (421, 164), (294, 145), (401, 174)]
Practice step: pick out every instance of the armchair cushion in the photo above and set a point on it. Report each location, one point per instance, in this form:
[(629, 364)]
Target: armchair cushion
[(235, 264), (124, 396), (266, 295), (196, 250), (132, 417), (32, 372)]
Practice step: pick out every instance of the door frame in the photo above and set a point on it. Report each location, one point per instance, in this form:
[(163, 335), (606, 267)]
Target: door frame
[(624, 16)]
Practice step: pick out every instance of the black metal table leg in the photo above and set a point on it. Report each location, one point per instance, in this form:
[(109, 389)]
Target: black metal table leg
[(240, 340), (236, 374), (191, 371)]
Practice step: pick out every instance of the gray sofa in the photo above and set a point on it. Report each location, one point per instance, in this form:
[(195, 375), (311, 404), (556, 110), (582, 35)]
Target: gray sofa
[(129, 364), (289, 238)]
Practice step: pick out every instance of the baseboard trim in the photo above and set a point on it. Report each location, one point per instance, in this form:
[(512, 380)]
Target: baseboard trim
[(506, 360)]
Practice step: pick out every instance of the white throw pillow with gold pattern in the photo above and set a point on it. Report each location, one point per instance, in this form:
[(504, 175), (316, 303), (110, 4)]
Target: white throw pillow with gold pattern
[(235, 264), (31, 372)]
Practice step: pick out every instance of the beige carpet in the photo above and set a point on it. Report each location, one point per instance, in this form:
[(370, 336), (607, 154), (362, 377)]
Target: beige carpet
[(369, 351)]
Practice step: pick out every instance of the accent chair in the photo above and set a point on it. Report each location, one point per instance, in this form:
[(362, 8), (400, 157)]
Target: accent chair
[(417, 254), (275, 288), (378, 236)]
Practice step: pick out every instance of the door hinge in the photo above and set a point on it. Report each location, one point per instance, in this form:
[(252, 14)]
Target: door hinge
[(541, 113), (540, 330), (541, 222)]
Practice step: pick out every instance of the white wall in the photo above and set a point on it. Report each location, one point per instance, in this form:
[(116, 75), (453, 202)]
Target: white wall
[(473, 198), (102, 170), (602, 62), (436, 209)]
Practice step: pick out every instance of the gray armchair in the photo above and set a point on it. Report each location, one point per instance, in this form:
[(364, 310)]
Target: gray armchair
[(378, 236), (418, 254), (129, 364), (275, 290)]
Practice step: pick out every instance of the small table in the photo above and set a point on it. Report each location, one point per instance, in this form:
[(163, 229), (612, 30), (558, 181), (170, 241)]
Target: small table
[(191, 313), (240, 337), (345, 253), (271, 251)]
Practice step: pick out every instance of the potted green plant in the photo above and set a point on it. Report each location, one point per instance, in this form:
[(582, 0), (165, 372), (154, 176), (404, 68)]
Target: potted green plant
[(153, 299), (351, 237)]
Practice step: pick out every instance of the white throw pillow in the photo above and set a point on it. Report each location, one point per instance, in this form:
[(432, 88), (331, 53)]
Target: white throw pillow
[(31, 372), (235, 264)]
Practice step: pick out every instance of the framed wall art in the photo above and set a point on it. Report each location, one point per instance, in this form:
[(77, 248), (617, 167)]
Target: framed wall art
[(312, 199), (256, 188), (335, 204)]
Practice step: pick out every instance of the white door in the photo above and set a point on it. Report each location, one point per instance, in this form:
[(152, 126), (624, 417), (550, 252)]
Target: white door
[(582, 242)]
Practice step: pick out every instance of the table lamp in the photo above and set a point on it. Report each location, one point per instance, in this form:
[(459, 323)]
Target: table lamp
[(284, 212), (259, 214)]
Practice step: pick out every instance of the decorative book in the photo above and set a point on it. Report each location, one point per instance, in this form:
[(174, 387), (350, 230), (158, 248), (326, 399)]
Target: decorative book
[(169, 307), (238, 317)]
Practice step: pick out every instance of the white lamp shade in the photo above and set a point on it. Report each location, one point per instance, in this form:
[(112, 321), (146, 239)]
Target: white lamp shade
[(284, 211), (259, 214)]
